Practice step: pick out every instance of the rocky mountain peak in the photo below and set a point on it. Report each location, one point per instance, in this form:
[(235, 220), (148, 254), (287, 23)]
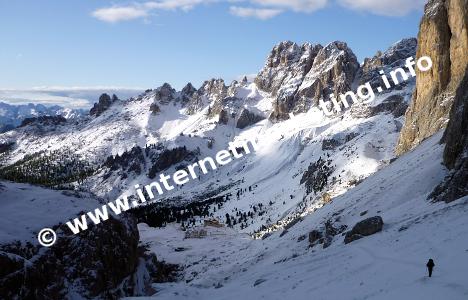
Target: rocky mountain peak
[(285, 53), (399, 51), (214, 89), (286, 61), (331, 50), (231, 91), (211, 91), (319, 71), (164, 94), (189, 89), (104, 102), (187, 93), (395, 56)]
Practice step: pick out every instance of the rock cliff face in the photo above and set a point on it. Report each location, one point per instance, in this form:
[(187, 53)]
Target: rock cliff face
[(298, 76), (247, 118), (105, 101), (456, 149), (443, 36), (187, 93), (441, 95), (92, 266), (456, 134), (332, 72), (164, 94), (286, 67), (211, 91), (393, 58)]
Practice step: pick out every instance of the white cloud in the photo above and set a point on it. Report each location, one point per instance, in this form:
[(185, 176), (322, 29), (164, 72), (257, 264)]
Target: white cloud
[(259, 13), (295, 5), (133, 11), (384, 7), (176, 4), (116, 14), (260, 9)]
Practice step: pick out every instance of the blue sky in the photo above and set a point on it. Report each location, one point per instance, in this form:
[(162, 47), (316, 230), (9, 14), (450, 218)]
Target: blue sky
[(80, 43)]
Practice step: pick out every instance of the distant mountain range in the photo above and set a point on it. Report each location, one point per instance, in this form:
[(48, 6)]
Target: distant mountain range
[(12, 116)]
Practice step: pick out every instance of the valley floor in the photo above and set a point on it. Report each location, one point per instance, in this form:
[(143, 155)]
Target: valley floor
[(386, 265)]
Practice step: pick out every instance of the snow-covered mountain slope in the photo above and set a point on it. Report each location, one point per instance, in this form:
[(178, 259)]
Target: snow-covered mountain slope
[(311, 176), (387, 265), (36, 208), (73, 267), (303, 161), (11, 116)]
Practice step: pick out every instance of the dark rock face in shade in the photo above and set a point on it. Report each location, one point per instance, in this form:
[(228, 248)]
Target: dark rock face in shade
[(364, 228), (105, 101)]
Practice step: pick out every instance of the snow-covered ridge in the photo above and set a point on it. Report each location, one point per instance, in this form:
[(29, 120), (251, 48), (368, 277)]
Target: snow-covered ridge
[(203, 121)]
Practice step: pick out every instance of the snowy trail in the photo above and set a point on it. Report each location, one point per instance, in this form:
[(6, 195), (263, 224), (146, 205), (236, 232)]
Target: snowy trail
[(392, 259)]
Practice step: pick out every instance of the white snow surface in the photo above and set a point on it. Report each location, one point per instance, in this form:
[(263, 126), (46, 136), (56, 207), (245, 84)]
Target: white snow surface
[(26, 209), (387, 265)]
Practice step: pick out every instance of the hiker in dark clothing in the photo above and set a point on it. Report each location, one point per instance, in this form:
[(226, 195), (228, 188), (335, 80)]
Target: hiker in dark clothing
[(430, 265)]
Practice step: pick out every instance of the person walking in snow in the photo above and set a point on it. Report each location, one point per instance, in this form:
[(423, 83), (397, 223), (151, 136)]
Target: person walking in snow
[(430, 265)]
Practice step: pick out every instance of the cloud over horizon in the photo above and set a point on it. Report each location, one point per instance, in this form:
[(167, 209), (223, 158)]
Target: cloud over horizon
[(69, 97), (259, 9)]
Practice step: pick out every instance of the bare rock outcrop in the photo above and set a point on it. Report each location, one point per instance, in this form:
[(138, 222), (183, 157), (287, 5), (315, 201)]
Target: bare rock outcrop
[(395, 104), (298, 76), (332, 72), (105, 101), (456, 149), (394, 57), (187, 93), (283, 73), (285, 67), (211, 91), (164, 94), (364, 228), (443, 36), (44, 120), (154, 108), (247, 118)]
